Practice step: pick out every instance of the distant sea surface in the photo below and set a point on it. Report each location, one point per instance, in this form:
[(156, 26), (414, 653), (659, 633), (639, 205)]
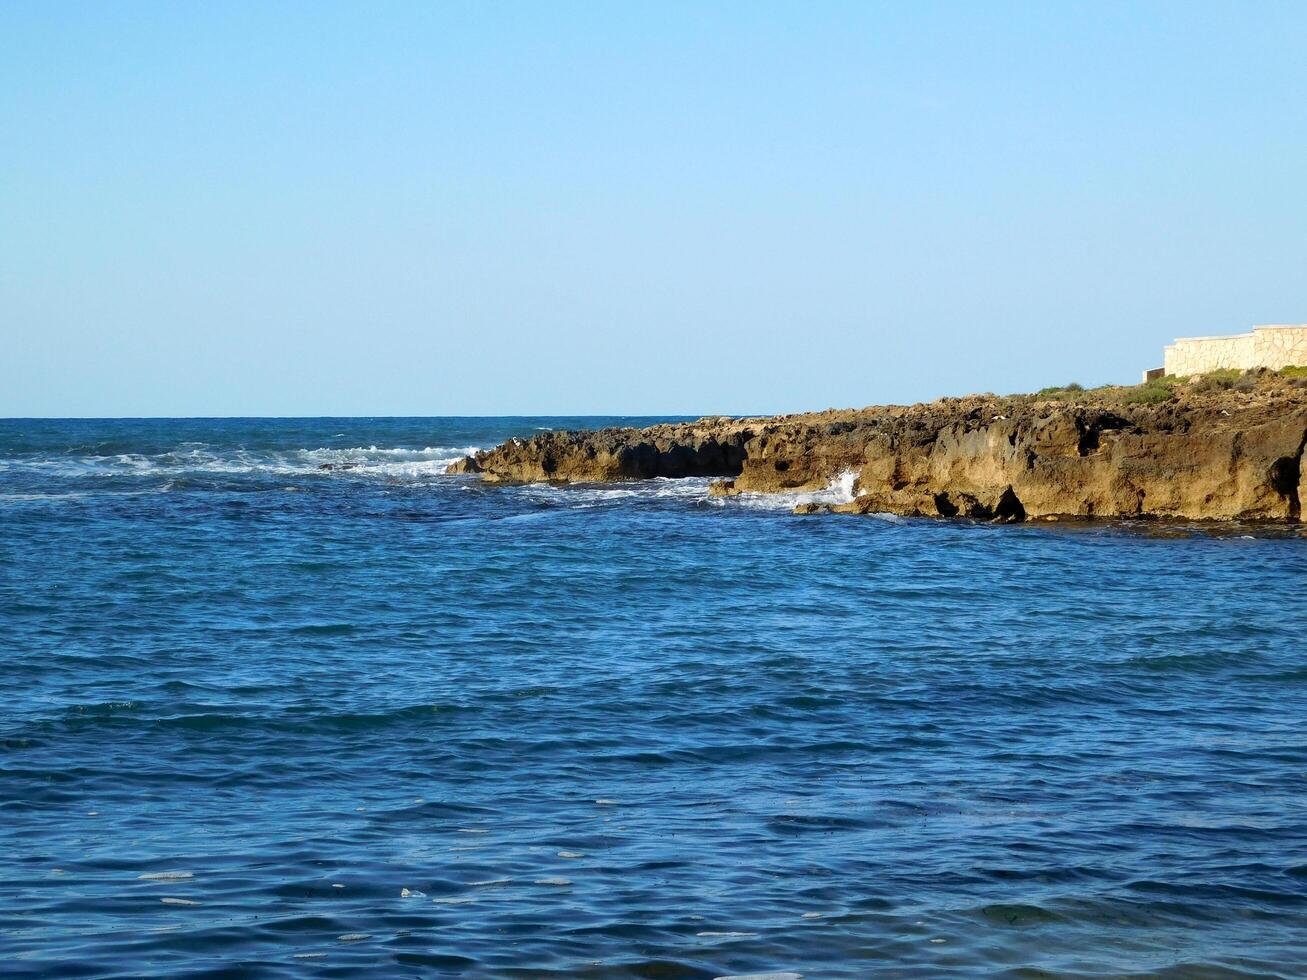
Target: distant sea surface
[(263, 718)]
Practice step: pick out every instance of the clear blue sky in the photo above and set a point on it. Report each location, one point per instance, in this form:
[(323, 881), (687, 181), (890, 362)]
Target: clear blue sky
[(488, 208)]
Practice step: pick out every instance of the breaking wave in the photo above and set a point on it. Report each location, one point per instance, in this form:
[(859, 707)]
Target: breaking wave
[(688, 489), (580, 496), (358, 461), (840, 490)]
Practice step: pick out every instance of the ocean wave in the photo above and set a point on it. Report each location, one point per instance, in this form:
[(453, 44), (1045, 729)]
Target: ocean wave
[(188, 459), (690, 489), (840, 490), (16, 499), (579, 496), (21, 498)]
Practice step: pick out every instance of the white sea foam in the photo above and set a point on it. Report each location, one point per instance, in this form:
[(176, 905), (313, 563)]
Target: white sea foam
[(724, 935), (584, 495), (190, 459), (393, 463), (840, 490), (20, 498)]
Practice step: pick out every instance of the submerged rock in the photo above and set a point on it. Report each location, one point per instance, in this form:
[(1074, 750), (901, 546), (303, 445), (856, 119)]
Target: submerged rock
[(811, 508), (1191, 450)]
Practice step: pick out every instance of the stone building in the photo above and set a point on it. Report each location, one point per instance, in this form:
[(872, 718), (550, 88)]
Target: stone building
[(1272, 346)]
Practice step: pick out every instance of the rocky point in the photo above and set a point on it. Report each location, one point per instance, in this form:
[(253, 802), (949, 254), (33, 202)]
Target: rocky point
[(1204, 448)]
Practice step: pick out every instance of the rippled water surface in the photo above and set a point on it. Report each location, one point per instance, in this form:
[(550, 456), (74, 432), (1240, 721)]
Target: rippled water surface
[(262, 718)]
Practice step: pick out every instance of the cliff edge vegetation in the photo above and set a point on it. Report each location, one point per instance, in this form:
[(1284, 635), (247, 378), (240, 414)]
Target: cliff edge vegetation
[(1222, 446)]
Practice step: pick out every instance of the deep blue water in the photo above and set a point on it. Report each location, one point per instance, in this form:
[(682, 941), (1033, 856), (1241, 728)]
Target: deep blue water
[(262, 719)]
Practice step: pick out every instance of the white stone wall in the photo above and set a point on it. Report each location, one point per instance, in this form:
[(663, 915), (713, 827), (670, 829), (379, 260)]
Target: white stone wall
[(1280, 346), (1269, 346)]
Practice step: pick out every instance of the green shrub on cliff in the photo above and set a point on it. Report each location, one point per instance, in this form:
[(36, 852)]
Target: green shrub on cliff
[(1061, 392), (1293, 372), (1213, 381), (1153, 393)]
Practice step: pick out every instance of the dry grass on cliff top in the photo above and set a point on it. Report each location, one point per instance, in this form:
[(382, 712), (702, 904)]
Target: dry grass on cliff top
[(1167, 388), (1230, 390)]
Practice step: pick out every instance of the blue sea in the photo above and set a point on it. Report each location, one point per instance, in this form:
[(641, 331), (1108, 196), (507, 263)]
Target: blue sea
[(265, 718)]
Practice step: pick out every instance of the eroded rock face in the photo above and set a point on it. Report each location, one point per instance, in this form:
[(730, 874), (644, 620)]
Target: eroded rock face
[(710, 447), (1224, 453)]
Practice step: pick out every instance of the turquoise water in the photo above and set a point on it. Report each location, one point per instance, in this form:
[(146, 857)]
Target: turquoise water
[(264, 719)]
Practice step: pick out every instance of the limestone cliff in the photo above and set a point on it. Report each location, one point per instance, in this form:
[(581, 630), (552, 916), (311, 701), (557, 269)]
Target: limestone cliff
[(1210, 448)]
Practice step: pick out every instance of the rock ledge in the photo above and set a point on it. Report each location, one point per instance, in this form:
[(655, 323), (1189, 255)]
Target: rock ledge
[(1196, 449)]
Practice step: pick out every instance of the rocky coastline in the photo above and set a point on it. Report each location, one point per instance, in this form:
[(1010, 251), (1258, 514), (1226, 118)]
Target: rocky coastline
[(1212, 448)]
